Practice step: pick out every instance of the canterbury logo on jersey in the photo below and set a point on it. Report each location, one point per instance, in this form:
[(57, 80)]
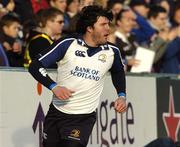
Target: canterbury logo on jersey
[(80, 53), (43, 72)]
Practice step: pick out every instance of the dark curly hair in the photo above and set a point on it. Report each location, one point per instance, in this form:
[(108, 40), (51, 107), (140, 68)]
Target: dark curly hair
[(89, 15)]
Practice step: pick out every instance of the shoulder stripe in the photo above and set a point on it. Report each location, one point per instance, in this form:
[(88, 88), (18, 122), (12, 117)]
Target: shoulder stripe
[(56, 47), (116, 48), (112, 46)]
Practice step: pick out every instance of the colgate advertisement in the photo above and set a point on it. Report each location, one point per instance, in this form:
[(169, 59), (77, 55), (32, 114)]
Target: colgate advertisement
[(152, 103)]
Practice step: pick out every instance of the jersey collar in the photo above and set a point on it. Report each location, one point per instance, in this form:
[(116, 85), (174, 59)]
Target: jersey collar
[(81, 42)]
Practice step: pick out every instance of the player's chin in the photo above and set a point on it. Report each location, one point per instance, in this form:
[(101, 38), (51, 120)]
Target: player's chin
[(104, 40), (106, 37)]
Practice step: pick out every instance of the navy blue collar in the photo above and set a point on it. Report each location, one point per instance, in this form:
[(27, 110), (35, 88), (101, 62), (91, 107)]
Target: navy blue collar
[(80, 41)]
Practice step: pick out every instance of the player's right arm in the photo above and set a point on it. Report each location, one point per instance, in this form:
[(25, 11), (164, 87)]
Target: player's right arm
[(46, 58)]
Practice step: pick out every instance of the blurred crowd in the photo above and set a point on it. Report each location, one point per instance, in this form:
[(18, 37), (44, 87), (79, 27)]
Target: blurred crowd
[(28, 27)]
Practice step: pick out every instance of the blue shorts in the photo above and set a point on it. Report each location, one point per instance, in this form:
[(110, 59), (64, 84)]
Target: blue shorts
[(59, 126)]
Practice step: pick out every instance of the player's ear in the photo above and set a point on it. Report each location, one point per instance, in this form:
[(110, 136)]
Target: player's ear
[(89, 29)]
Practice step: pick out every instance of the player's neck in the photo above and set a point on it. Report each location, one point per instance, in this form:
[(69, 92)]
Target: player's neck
[(89, 40)]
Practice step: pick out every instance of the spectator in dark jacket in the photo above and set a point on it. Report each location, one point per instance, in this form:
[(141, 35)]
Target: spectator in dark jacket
[(9, 29), (171, 58)]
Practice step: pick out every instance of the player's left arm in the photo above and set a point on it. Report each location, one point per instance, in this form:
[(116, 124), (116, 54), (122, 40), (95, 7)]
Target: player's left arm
[(119, 82)]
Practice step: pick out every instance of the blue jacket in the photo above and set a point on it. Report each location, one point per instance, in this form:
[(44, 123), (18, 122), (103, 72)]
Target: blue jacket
[(144, 32), (171, 58)]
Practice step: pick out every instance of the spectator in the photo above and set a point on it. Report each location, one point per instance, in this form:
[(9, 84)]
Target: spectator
[(58, 4), (38, 5), (143, 30), (102, 3), (171, 58), (3, 57), (50, 22), (62, 6), (6, 6), (24, 9), (158, 17), (72, 24), (176, 15), (165, 5), (9, 29), (72, 8), (125, 40), (9, 5), (140, 7), (115, 6), (84, 3)]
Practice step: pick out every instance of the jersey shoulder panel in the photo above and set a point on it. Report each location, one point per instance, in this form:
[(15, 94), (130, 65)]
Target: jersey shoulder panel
[(113, 46)]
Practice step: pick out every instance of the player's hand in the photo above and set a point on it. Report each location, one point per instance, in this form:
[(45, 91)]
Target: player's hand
[(120, 105), (62, 93)]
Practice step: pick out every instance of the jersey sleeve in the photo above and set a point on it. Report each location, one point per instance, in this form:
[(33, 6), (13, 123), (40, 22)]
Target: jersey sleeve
[(46, 58), (118, 74)]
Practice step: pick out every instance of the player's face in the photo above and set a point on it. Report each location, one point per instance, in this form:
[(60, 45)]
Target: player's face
[(100, 31)]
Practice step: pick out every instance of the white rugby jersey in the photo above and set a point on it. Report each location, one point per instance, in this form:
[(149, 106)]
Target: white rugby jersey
[(82, 69)]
